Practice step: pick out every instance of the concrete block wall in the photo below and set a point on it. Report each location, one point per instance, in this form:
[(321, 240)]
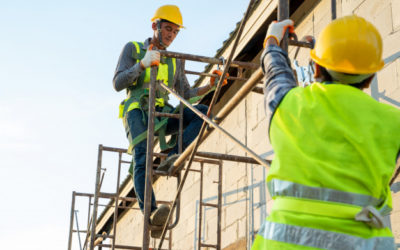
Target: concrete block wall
[(248, 123)]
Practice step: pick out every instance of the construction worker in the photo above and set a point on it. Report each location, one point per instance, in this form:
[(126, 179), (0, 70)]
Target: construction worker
[(133, 74), (335, 146)]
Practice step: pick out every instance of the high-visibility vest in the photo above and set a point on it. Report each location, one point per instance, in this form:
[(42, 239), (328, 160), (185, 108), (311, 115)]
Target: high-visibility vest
[(138, 91), (335, 152), (137, 97)]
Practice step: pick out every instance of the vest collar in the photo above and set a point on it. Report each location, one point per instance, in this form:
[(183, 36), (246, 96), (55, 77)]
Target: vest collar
[(146, 43)]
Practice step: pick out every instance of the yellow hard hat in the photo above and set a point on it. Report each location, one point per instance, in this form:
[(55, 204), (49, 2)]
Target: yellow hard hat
[(170, 13), (349, 45)]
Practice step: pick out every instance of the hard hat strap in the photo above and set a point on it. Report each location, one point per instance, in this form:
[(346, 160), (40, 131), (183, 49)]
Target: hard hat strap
[(159, 34)]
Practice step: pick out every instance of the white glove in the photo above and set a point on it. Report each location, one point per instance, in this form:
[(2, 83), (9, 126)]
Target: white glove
[(277, 30), (151, 58)]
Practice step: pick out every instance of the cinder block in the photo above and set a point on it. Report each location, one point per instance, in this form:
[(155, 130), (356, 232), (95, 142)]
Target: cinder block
[(394, 99), (235, 211), (258, 218), (391, 44), (348, 6), (379, 13), (258, 138), (387, 79), (320, 24), (395, 14), (396, 81), (229, 235), (395, 221), (322, 11), (242, 182), (211, 230), (251, 103), (242, 227)]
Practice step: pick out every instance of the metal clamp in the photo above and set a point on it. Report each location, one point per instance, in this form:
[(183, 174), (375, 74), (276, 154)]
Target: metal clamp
[(223, 60), (371, 216)]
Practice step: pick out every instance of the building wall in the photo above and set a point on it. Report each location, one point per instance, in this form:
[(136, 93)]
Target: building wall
[(246, 200)]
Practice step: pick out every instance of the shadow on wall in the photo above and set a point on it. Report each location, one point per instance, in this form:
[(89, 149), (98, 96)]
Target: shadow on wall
[(254, 203), (374, 85)]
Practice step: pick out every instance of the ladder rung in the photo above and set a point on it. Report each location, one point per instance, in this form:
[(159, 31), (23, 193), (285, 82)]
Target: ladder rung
[(154, 227), (209, 204), (300, 44), (208, 245), (193, 170), (159, 114), (107, 195), (119, 246), (162, 173), (104, 236)]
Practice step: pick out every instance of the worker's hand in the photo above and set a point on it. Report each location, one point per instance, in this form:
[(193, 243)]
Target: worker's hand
[(214, 80), (277, 30), (151, 58)]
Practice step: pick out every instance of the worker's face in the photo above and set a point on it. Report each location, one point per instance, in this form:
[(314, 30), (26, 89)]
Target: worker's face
[(168, 32)]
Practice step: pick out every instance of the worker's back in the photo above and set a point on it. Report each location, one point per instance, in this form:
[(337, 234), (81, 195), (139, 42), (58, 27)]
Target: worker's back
[(335, 151)]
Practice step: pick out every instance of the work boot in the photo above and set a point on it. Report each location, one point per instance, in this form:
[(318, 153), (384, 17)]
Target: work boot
[(168, 163), (156, 234), (159, 218)]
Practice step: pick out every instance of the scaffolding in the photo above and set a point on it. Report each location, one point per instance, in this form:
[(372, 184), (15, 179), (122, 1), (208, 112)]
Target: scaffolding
[(186, 157)]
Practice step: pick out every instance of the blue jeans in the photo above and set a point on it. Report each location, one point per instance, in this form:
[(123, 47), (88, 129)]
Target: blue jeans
[(191, 124)]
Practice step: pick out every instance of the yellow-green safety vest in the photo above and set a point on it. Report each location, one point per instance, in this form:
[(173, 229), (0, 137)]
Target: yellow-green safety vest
[(335, 152), (137, 97), (139, 88)]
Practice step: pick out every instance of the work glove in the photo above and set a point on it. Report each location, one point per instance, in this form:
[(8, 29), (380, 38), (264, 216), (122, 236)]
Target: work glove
[(277, 30), (214, 80), (151, 58)]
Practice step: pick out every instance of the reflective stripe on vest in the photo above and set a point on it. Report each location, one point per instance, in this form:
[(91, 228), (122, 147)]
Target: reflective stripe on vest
[(287, 188), (318, 238)]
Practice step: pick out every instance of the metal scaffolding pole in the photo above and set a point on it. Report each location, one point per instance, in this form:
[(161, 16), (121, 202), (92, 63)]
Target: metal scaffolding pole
[(206, 59), (71, 221), (283, 13), (200, 204), (226, 157), (149, 158), (77, 228), (116, 202), (96, 197), (219, 208), (333, 9), (204, 204)]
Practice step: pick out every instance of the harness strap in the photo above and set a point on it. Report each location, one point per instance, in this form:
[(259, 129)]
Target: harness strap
[(369, 215)]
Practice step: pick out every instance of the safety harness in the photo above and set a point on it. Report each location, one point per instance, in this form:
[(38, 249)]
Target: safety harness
[(138, 96)]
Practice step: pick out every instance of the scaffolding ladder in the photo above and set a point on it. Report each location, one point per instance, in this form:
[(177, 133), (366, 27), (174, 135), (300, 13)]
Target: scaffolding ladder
[(191, 151)]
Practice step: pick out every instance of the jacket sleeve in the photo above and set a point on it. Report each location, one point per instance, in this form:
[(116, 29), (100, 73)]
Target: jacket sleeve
[(279, 78), (127, 71)]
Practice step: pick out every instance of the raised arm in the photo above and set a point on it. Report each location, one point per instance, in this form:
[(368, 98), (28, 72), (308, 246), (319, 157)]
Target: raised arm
[(127, 70)]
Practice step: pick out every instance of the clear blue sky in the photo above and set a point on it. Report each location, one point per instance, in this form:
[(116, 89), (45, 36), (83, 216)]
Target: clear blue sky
[(57, 60)]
